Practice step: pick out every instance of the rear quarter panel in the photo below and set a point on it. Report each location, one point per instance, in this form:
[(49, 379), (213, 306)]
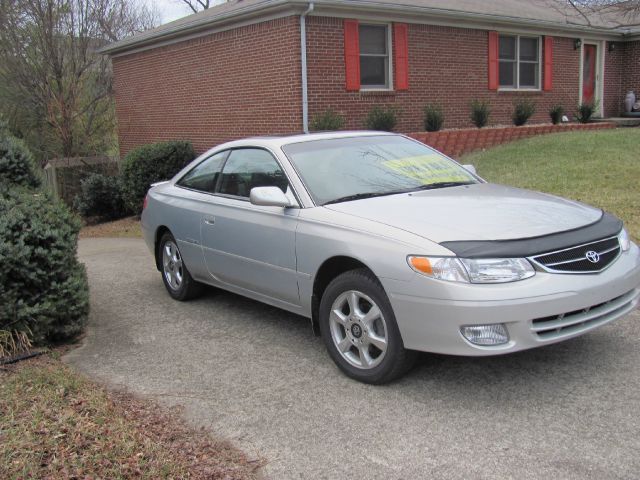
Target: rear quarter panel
[(178, 210)]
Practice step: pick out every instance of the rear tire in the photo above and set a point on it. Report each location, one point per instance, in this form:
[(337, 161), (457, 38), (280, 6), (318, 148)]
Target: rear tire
[(359, 329), (177, 279)]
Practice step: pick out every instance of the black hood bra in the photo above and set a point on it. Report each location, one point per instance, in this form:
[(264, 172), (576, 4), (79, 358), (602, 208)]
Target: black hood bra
[(607, 226)]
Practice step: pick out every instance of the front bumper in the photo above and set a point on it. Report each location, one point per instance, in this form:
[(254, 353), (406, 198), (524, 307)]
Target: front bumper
[(542, 310)]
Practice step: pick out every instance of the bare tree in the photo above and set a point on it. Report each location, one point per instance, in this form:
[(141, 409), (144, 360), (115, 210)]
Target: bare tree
[(603, 13), (53, 79), (121, 18), (197, 5)]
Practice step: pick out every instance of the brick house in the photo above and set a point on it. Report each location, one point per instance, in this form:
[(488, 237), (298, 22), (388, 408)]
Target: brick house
[(251, 67)]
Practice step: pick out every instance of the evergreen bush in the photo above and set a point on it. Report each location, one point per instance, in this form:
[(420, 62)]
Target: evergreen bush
[(149, 164)]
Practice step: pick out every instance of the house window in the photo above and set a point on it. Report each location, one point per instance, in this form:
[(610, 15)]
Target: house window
[(519, 62), (374, 56)]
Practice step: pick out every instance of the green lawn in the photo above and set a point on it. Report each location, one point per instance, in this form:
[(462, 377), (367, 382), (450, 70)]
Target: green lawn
[(600, 168)]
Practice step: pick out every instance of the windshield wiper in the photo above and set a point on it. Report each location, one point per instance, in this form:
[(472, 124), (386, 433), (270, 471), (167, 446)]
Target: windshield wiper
[(432, 186), (357, 196), (360, 196)]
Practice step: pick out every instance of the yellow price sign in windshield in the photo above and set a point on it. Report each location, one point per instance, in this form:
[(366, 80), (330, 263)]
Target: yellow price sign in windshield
[(428, 169)]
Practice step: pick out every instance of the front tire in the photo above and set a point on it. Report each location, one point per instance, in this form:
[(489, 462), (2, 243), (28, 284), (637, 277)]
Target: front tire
[(359, 329), (177, 279)]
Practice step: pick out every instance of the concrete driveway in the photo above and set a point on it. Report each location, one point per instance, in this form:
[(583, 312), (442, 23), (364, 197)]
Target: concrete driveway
[(257, 376)]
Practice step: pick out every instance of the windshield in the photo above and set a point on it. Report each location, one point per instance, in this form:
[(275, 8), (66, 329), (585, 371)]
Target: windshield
[(343, 169)]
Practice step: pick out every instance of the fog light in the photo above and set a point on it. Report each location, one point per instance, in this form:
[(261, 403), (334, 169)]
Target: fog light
[(486, 335)]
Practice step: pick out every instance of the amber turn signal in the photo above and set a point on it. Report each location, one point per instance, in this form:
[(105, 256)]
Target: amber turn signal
[(421, 264)]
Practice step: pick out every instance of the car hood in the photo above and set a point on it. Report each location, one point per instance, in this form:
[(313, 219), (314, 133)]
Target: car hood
[(474, 212)]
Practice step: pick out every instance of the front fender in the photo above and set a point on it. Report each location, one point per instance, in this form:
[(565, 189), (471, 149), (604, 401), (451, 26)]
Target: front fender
[(323, 234)]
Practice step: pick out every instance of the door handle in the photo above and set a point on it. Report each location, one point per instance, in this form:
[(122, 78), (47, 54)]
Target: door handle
[(210, 221)]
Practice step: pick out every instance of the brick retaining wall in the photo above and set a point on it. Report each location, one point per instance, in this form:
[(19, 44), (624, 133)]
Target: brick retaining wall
[(458, 142)]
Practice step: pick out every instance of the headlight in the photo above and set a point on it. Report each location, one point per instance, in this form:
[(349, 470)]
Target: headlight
[(498, 270), (442, 268), (473, 270), (625, 242)]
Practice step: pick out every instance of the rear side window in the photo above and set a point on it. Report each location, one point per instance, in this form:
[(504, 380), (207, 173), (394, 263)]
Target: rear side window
[(247, 168), (204, 176)]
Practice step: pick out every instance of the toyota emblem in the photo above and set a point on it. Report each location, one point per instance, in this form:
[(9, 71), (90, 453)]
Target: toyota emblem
[(592, 256)]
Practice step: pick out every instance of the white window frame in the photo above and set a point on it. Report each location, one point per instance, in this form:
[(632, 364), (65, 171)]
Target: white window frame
[(518, 88), (379, 88)]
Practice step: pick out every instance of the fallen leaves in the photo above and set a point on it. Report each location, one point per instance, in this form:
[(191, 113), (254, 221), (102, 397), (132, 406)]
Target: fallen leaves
[(126, 227), (56, 424)]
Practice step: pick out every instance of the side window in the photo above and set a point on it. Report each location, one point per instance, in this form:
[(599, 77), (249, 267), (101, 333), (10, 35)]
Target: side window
[(247, 168), (204, 176)]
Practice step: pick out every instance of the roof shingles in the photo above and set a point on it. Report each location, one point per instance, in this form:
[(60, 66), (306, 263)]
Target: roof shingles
[(551, 12)]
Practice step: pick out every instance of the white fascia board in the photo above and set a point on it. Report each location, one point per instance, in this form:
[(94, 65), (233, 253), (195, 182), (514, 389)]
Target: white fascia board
[(477, 21), (170, 40), (205, 26), (361, 9)]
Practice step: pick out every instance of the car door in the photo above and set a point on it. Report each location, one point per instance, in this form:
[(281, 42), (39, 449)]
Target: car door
[(248, 246), (193, 200)]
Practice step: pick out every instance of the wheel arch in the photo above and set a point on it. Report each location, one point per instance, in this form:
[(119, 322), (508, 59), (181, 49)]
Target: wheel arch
[(328, 270), (160, 231)]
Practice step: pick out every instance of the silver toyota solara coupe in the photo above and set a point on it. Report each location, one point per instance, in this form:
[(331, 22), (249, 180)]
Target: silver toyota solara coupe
[(389, 247)]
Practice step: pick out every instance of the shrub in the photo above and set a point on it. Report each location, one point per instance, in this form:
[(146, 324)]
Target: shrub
[(42, 285), (17, 166), (433, 118), (101, 196), (4, 127), (327, 121), (14, 342), (381, 118), (151, 163), (585, 112), (480, 113), (523, 109), (556, 113)]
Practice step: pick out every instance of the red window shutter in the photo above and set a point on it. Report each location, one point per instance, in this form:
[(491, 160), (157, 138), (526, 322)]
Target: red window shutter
[(493, 61), (352, 55), (401, 41), (548, 63)]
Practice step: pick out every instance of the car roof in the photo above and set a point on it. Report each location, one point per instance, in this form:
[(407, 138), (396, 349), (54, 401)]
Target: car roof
[(279, 141)]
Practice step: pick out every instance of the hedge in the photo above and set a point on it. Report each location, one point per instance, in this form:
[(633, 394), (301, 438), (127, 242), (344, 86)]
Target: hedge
[(152, 163), (17, 166), (43, 288), (101, 196)]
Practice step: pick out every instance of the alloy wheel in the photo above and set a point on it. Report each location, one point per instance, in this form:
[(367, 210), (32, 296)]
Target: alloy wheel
[(172, 265), (358, 329)]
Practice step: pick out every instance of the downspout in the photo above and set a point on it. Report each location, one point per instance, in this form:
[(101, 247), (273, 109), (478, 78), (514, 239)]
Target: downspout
[(303, 61)]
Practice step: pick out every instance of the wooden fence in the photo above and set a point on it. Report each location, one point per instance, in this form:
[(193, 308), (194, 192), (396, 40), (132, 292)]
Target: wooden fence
[(63, 175)]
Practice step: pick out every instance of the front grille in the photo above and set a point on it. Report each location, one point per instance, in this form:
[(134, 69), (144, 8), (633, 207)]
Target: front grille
[(589, 258), (580, 321)]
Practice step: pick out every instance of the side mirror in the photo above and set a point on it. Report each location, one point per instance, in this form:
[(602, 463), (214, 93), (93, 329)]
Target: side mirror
[(470, 168), (269, 197)]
